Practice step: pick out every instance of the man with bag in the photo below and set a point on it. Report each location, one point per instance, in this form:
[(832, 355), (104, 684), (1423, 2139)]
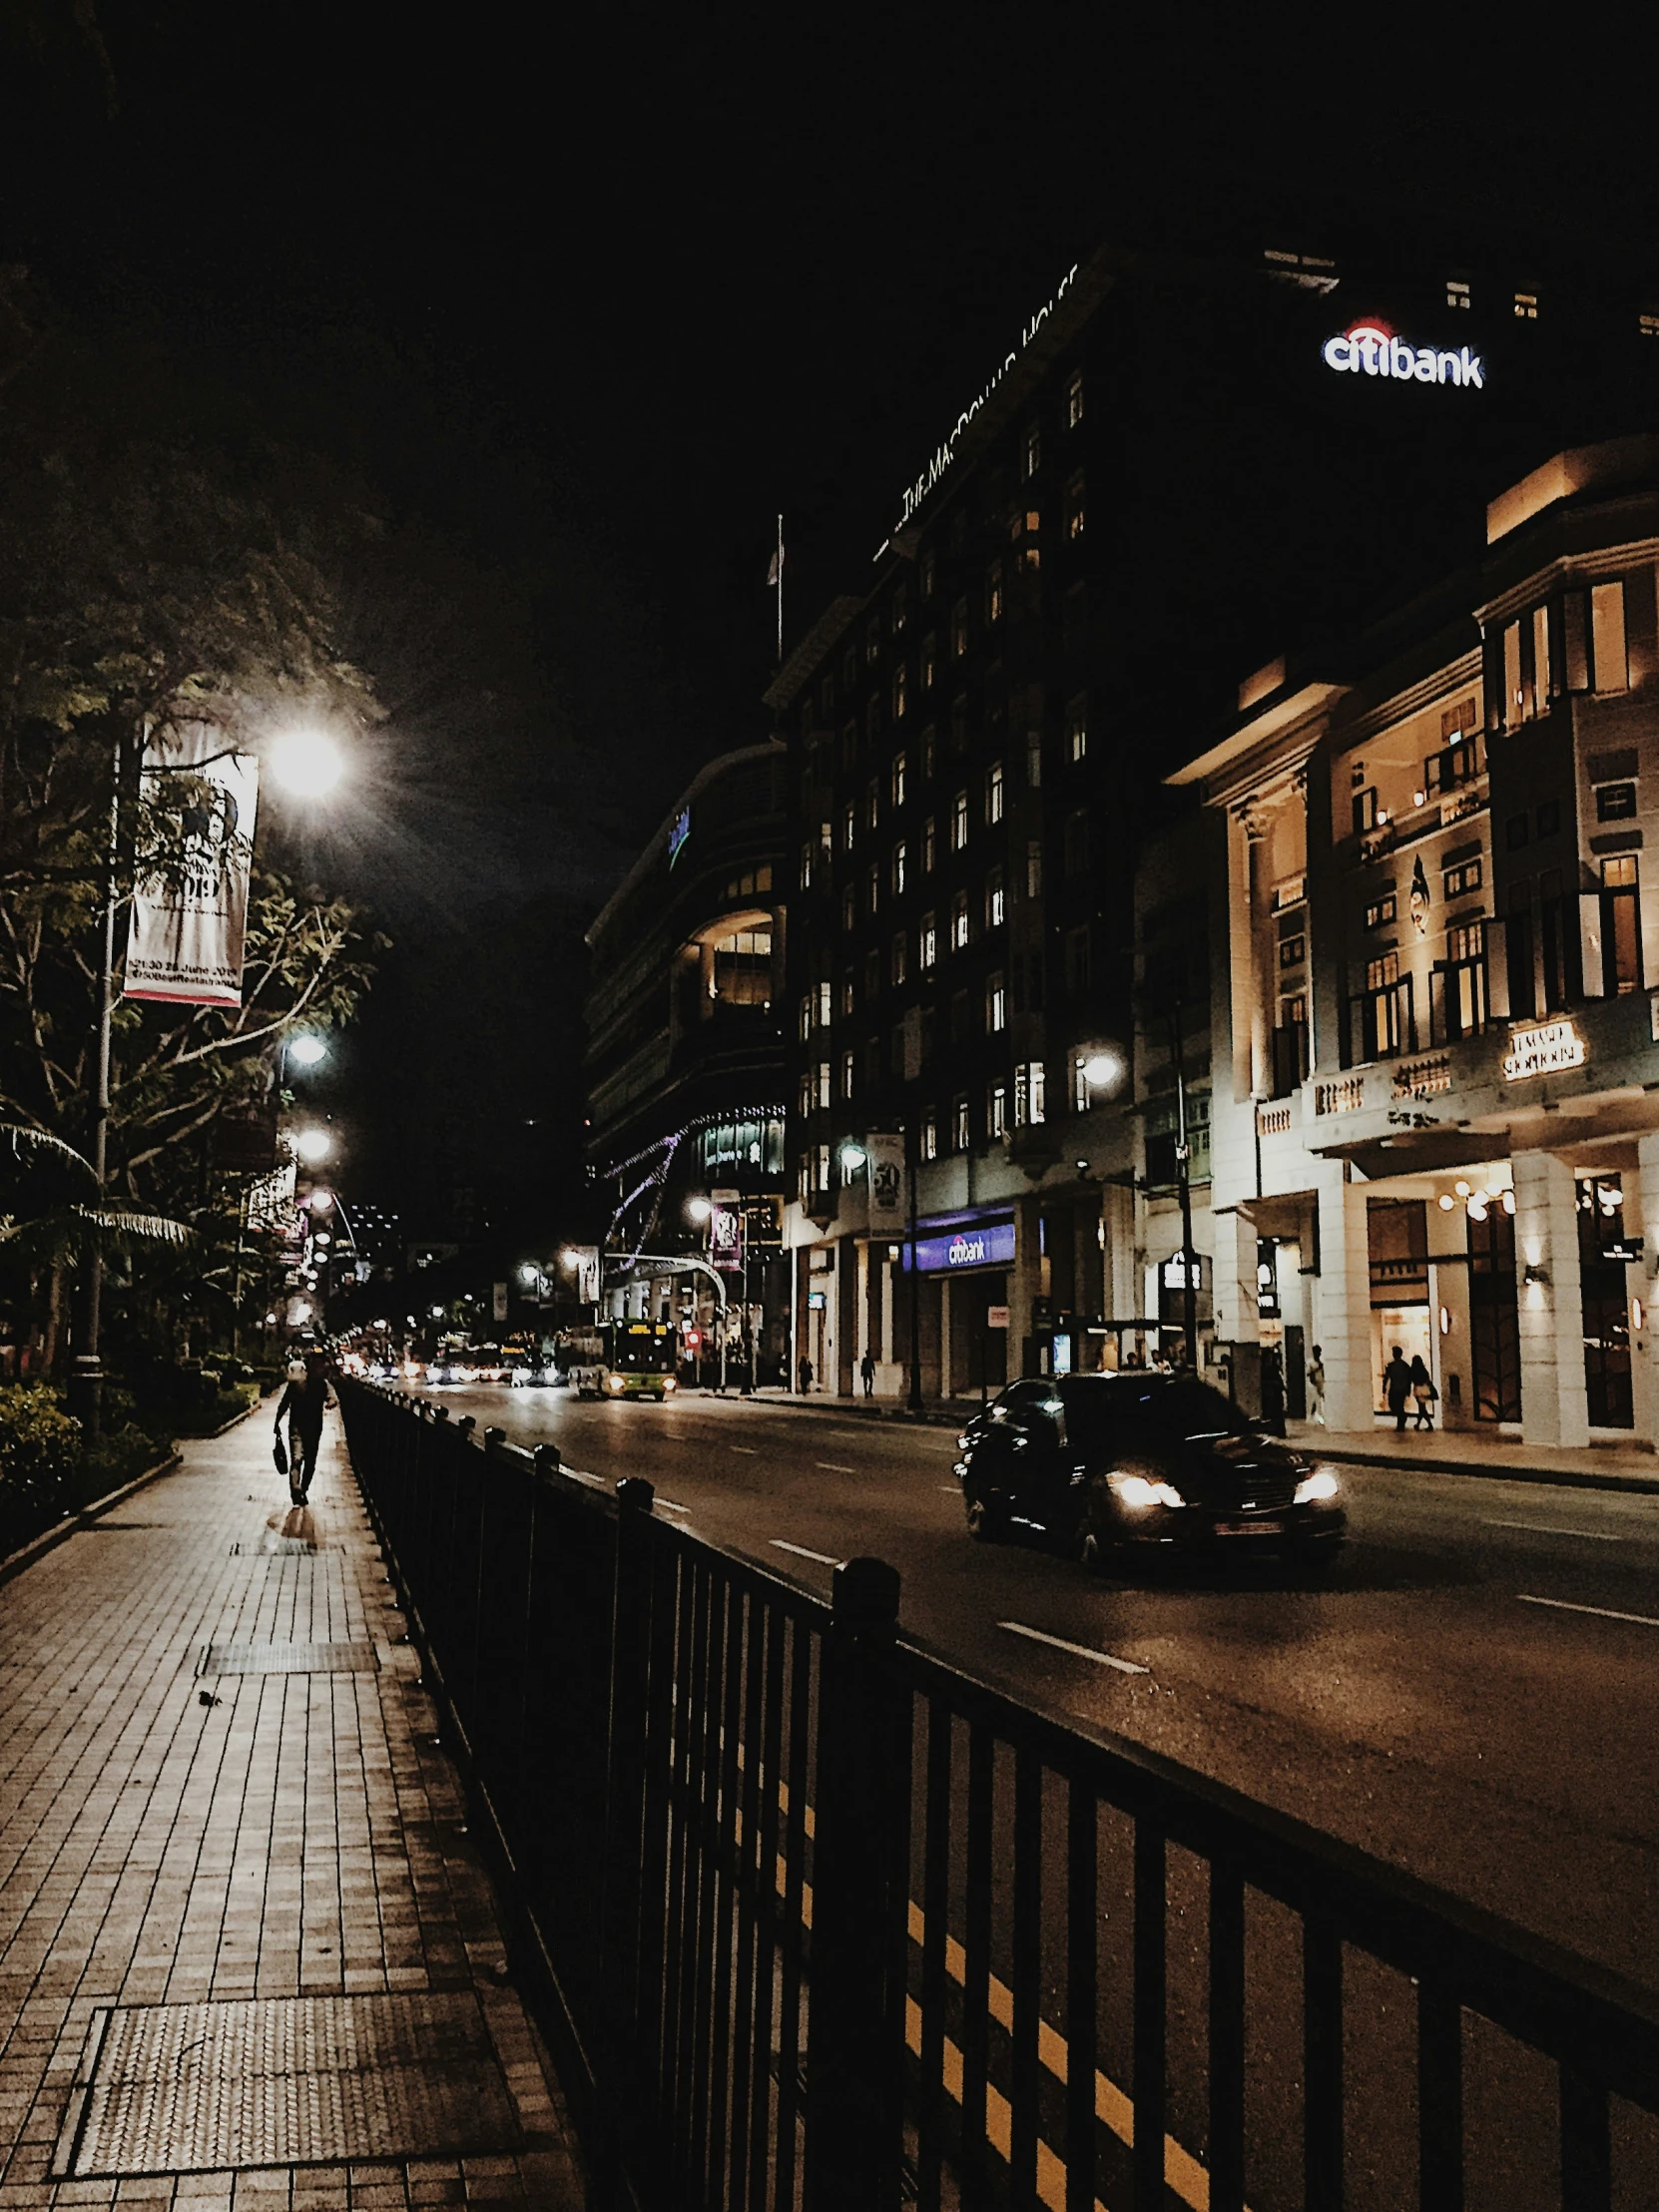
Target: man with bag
[(303, 1401)]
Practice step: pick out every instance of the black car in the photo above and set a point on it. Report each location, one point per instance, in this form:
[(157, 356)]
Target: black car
[(1121, 1463)]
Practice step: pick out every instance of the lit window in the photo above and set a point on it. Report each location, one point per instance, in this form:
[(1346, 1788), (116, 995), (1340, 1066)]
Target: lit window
[(850, 1073), (929, 846), (1648, 326), (1075, 510), (958, 628), (1074, 400), (996, 1118), (823, 1005), (1526, 307), (929, 661), (1456, 291), (823, 1167), (1467, 877), (873, 639), (960, 1131), (959, 922), (899, 779), (1381, 913), (900, 611), (898, 854), (849, 994), (1037, 1079), (849, 827), (996, 1002), (806, 1017), (927, 944), (900, 958), (807, 867), (1031, 450), (929, 572), (993, 592), (930, 1135), (873, 803), (993, 792), (873, 888), (900, 679), (1616, 801), (741, 969), (997, 901), (823, 1084), (960, 822), (804, 1098), (1077, 728)]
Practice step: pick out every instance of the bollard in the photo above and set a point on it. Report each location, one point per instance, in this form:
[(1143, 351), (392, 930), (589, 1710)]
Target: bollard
[(494, 1436), (547, 1460), (856, 2057)]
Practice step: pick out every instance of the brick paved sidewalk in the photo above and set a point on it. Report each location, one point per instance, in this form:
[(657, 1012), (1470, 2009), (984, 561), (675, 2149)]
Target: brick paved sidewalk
[(223, 1923)]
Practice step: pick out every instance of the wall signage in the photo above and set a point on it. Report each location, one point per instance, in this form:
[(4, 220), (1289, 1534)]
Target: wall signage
[(945, 453), (983, 1245), (1544, 1048), (1372, 350), (679, 833), (996, 1317)]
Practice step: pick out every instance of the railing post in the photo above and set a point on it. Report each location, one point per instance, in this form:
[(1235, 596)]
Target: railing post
[(856, 2047)]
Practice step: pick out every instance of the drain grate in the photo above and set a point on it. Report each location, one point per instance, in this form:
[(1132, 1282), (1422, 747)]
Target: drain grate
[(288, 1659), (282, 2081)]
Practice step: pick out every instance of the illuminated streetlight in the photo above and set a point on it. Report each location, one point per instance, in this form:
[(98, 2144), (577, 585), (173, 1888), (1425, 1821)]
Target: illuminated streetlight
[(321, 1201), (308, 1050), (306, 763), (698, 1209), (528, 1272), (1101, 1068), (313, 1144), (854, 1156)]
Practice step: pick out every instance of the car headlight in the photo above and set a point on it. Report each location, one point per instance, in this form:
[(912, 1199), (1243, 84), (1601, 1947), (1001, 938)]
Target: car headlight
[(613, 1382), (1314, 1488), (671, 1381), (1136, 1491)]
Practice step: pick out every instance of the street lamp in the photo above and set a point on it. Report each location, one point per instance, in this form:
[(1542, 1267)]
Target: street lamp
[(306, 763), (312, 1145), (1102, 1069), (698, 1209), (854, 1156), (308, 1050)]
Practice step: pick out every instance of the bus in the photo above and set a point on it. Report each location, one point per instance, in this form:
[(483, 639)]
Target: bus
[(624, 1359)]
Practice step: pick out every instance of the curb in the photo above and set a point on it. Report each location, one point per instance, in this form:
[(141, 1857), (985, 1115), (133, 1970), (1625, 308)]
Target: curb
[(1562, 1479), (50, 1539)]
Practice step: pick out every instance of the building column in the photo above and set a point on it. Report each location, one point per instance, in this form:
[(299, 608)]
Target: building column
[(1233, 1279), (887, 1281), (1644, 1283), (861, 1309), (1343, 1308), (1553, 1404), (1024, 1279), (1122, 1281), (944, 1335)]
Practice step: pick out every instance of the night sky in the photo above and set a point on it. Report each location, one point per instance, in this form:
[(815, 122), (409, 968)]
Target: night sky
[(586, 296)]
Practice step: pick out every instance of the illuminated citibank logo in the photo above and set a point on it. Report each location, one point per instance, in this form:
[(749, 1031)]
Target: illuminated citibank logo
[(1372, 350)]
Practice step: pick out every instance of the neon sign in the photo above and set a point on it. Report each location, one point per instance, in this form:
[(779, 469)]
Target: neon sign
[(1373, 350), (945, 453), (679, 833), (1546, 1049)]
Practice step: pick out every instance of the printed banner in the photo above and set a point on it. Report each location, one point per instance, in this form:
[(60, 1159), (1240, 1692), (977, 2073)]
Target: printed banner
[(886, 1180), (726, 1237), (585, 1261), (184, 940)]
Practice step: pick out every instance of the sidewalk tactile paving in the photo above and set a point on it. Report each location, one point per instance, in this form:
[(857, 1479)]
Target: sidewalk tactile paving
[(179, 2089), (339, 1658), (289, 1837)]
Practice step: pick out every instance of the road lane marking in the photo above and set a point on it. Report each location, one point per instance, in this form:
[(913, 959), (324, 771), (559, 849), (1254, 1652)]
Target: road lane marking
[(953, 1488), (1082, 1651), (1602, 1612), (749, 1451), (1542, 1528), (822, 1557), (834, 1466)]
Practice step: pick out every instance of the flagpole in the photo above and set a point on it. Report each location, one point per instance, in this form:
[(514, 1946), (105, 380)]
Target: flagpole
[(779, 591)]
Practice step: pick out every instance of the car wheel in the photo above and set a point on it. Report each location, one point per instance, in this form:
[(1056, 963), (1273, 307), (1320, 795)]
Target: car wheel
[(987, 1523)]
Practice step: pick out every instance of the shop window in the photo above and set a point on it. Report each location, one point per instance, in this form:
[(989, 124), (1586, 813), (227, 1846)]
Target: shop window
[(1604, 1297), (1616, 801)]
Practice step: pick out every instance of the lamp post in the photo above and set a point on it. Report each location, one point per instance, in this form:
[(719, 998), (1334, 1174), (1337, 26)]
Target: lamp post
[(854, 1157), (1184, 1190)]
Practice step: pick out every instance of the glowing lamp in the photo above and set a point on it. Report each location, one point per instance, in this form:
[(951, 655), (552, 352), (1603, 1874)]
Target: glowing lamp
[(306, 763), (313, 1144), (308, 1050), (1101, 1068)]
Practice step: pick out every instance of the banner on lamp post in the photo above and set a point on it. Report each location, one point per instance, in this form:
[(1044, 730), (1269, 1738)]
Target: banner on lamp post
[(886, 1153), (190, 918), (726, 1235)]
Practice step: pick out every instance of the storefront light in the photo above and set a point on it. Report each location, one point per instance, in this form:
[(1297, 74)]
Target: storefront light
[(1445, 1321), (1461, 1187), (1445, 1202)]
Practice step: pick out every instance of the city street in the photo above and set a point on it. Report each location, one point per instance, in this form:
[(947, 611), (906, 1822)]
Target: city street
[(1461, 1696)]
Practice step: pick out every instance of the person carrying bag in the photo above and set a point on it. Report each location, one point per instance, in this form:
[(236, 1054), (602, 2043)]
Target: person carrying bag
[(1424, 1393)]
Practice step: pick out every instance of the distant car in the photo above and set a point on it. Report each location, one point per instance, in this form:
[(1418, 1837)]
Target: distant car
[(545, 1377), (1115, 1465)]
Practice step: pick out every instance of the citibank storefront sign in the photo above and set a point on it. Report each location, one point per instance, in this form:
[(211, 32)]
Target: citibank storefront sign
[(987, 1243), (1372, 350)]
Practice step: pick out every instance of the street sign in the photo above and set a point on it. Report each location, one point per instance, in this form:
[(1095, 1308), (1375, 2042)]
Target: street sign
[(996, 1317)]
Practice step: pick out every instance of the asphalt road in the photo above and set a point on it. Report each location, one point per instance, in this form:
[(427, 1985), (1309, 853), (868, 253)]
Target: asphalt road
[(1459, 1697)]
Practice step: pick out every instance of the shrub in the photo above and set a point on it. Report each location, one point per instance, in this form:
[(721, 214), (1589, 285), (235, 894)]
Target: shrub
[(120, 1456), (40, 1453)]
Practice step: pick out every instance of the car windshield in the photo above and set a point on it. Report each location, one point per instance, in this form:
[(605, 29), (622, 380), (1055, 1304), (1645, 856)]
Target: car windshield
[(1098, 1412)]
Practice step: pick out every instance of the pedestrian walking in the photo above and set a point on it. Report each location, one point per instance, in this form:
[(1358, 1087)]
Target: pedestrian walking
[(1273, 1392), (303, 1401), (1316, 1386), (866, 1372), (1397, 1388), (1424, 1393), (805, 1374)]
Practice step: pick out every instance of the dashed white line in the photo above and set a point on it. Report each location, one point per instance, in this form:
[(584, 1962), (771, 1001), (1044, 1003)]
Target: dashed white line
[(1602, 1612), (1542, 1528), (749, 1451), (822, 1557), (834, 1466), (953, 1489), (1080, 1651)]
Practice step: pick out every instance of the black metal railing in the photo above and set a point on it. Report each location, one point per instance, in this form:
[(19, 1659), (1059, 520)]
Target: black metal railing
[(823, 1921)]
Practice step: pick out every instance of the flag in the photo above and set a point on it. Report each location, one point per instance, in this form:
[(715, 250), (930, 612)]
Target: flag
[(886, 1152), (185, 938), (775, 574)]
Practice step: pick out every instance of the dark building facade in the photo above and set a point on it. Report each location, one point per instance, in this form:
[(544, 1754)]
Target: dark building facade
[(1176, 466), (685, 1068)]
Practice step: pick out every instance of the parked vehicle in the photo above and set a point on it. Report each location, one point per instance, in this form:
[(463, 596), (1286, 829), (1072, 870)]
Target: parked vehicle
[(1119, 1465)]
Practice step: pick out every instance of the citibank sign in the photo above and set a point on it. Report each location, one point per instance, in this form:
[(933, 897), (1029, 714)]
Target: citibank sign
[(1372, 350)]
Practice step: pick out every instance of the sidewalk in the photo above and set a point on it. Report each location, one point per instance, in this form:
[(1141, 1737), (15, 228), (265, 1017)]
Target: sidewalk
[(249, 1956)]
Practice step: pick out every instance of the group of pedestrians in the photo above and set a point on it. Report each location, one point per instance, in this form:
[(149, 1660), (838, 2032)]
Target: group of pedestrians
[(1406, 1383)]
